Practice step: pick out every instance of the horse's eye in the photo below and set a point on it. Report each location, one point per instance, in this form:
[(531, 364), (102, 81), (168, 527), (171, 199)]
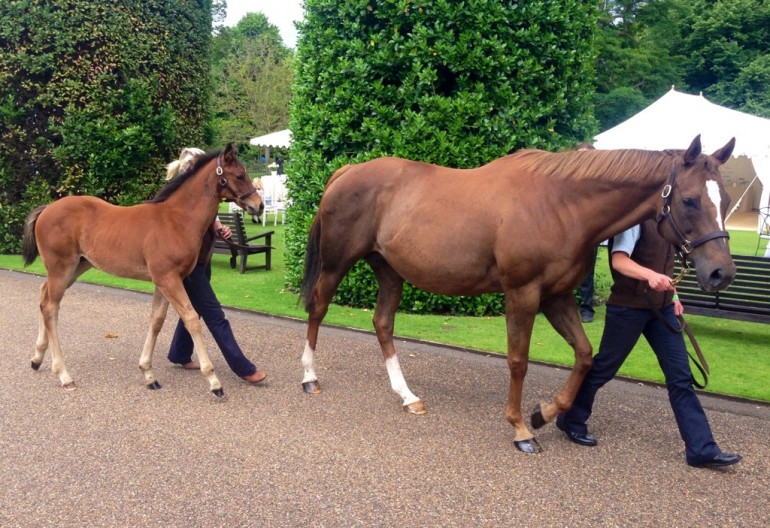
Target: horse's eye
[(690, 203), (239, 177)]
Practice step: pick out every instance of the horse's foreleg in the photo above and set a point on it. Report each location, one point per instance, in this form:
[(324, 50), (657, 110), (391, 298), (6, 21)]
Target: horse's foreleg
[(157, 317), (388, 298), (174, 291), (519, 319), (563, 316)]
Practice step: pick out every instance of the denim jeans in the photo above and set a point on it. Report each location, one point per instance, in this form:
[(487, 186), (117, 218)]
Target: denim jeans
[(623, 327), (205, 302)]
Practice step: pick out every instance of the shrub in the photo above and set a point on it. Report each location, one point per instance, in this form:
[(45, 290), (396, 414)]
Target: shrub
[(453, 83)]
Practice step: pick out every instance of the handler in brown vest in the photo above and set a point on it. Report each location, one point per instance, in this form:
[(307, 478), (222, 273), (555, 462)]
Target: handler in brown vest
[(642, 264)]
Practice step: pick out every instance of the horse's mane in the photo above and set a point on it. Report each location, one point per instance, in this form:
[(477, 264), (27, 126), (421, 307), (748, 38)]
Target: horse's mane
[(577, 164), (177, 181)]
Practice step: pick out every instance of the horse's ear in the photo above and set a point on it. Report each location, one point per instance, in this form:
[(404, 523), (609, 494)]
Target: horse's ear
[(723, 154), (230, 152), (692, 152)]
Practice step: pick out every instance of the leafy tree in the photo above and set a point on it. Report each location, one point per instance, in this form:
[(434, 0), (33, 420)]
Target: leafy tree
[(727, 43), (96, 97), (453, 83), (252, 72)]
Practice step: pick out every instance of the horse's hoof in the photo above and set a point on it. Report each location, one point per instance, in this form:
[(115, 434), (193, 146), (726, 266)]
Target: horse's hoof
[(154, 385), (311, 387), (537, 419), (531, 447), (416, 408), (35, 366), (69, 386), (218, 392)]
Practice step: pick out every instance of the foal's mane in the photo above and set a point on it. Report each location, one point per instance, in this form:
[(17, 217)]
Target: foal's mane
[(617, 165), (177, 181)]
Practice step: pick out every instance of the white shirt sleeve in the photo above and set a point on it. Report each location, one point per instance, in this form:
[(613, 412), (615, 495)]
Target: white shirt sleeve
[(626, 241)]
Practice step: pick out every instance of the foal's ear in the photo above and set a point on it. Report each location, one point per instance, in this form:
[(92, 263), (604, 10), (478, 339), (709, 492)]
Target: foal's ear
[(692, 152), (231, 153), (723, 154)]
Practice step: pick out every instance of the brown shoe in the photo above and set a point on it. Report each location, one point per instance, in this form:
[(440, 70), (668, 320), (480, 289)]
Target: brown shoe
[(191, 365), (255, 378)]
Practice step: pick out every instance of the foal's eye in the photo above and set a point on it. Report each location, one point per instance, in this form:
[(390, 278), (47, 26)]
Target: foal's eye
[(690, 203), (239, 177)]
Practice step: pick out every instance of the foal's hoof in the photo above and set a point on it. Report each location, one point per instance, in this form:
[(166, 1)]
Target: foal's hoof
[(69, 386), (531, 447), (311, 387), (218, 392), (35, 366), (537, 419), (154, 385), (416, 408)]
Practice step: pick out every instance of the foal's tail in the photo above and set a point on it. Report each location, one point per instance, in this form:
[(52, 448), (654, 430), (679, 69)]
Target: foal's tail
[(312, 265), (29, 246)]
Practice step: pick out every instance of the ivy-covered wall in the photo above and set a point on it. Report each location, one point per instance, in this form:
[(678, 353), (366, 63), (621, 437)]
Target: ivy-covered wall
[(457, 83), (95, 97)]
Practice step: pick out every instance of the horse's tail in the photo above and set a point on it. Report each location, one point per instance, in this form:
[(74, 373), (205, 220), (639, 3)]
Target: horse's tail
[(312, 265), (29, 246)]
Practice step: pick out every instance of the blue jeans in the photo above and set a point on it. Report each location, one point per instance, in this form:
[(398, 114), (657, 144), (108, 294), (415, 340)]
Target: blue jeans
[(623, 327), (205, 302)]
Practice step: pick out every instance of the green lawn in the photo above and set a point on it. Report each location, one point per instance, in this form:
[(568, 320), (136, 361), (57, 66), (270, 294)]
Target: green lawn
[(737, 352)]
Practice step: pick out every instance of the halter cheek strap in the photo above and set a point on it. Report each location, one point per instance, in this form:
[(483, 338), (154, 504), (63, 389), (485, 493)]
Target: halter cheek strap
[(223, 182)]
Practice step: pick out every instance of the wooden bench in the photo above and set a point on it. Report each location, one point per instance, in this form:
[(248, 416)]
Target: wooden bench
[(746, 299), (244, 246)]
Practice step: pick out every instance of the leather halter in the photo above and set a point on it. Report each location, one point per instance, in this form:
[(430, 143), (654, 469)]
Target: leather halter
[(684, 246), (223, 182)]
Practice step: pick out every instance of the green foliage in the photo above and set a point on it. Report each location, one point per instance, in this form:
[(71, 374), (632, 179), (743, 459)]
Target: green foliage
[(727, 43), (453, 83), (252, 72), (97, 97)]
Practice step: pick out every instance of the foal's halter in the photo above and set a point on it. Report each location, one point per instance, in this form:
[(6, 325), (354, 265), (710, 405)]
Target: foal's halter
[(223, 182), (684, 247)]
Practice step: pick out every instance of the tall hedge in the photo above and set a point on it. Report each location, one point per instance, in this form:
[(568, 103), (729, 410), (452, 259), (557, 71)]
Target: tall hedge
[(95, 97), (457, 83)]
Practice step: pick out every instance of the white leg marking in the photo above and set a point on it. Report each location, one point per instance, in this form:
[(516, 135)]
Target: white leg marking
[(397, 381), (712, 188), (308, 363)]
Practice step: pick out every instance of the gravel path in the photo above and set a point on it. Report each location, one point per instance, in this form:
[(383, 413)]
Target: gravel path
[(113, 453)]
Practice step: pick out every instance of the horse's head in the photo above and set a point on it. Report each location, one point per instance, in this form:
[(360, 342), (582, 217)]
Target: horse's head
[(235, 184), (693, 215)]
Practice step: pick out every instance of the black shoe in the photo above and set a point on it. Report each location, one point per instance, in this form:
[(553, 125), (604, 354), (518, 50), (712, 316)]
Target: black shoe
[(584, 439), (587, 317), (721, 460)]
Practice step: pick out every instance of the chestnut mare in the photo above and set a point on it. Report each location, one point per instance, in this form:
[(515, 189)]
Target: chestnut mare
[(533, 221), (156, 241)]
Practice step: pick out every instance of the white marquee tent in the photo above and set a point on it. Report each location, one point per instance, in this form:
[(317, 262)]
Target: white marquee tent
[(675, 119), (281, 139)]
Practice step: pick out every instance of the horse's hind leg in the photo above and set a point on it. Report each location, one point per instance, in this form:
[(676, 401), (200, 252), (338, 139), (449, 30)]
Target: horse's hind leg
[(322, 294), (388, 298), (157, 317), (51, 294), (563, 316)]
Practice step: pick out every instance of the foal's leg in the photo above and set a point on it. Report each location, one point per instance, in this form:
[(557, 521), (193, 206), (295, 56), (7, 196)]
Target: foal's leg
[(172, 288), (388, 298), (51, 294), (157, 317), (520, 310), (563, 316)]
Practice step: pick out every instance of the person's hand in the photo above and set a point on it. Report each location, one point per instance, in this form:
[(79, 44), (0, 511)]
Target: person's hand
[(659, 282), (678, 308), (225, 232)]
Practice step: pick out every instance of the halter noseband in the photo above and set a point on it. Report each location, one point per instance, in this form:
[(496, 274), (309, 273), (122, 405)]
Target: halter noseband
[(684, 247), (223, 182)]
